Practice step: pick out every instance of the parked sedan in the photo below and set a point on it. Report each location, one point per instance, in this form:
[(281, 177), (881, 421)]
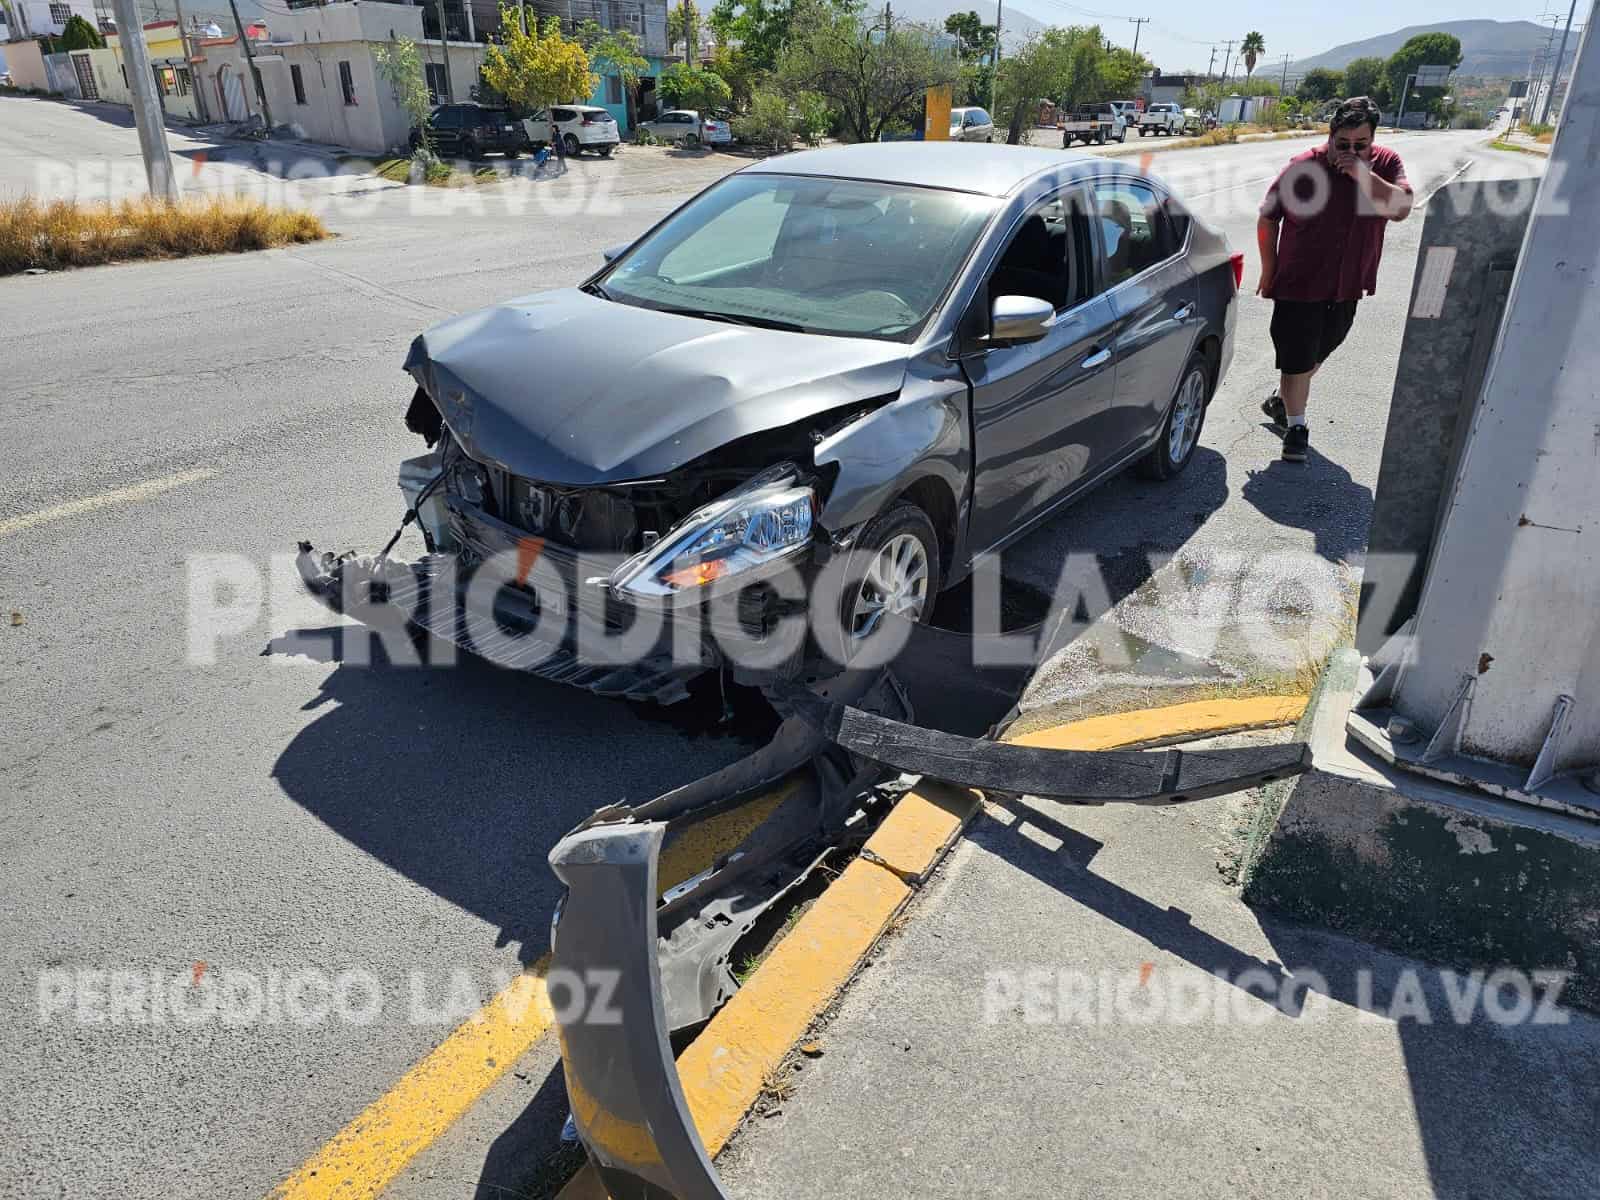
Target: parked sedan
[(473, 130), (686, 126), (971, 125), (847, 374), (580, 127)]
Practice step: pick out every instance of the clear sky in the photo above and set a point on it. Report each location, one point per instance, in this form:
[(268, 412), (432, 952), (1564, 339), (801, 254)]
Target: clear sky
[(1180, 33)]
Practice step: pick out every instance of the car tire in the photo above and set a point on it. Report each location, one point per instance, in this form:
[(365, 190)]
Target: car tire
[(570, 143), (901, 528), (605, 151), (1175, 446)]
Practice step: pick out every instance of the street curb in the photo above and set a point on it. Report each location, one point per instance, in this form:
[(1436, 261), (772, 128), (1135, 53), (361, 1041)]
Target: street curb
[(725, 1070)]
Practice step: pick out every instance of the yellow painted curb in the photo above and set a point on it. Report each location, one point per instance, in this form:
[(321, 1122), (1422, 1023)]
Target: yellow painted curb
[(724, 1070)]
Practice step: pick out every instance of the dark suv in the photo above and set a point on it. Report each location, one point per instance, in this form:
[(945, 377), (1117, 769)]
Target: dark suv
[(473, 130)]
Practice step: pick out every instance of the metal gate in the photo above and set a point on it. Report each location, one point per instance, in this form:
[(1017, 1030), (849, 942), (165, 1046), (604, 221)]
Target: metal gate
[(85, 72)]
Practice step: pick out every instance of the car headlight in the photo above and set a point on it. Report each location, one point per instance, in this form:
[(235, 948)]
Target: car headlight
[(765, 520)]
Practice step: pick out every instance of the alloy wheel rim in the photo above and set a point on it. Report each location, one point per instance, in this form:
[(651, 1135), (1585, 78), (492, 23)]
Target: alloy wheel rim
[(896, 581), (1186, 417)]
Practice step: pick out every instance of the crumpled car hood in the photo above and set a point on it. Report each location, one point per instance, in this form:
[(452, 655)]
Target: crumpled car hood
[(568, 388)]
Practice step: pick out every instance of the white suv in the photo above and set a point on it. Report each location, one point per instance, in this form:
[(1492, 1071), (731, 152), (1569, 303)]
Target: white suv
[(579, 126)]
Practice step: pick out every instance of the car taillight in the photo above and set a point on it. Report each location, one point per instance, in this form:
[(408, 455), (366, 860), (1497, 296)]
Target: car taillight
[(1238, 271)]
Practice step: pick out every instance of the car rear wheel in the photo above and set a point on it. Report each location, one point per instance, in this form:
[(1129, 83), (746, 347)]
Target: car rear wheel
[(894, 569), (1180, 432), (570, 143)]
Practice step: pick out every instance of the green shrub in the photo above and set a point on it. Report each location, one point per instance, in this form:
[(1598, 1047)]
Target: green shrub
[(813, 118), (769, 123)]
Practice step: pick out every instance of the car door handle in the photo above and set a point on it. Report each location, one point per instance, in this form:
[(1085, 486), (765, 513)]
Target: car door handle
[(1184, 313), (1098, 359)]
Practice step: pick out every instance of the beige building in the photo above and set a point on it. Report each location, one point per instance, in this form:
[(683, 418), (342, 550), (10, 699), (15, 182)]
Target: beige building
[(320, 73)]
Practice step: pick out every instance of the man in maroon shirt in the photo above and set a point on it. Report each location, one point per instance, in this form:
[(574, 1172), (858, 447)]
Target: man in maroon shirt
[(1320, 234)]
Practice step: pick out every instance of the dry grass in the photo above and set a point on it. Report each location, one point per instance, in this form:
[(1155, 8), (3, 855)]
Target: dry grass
[(64, 233)]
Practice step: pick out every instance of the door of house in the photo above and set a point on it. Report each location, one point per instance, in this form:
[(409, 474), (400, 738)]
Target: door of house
[(85, 72), (232, 84)]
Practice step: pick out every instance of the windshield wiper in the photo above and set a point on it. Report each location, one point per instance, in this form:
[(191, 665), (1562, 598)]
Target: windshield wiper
[(597, 289), (737, 319)]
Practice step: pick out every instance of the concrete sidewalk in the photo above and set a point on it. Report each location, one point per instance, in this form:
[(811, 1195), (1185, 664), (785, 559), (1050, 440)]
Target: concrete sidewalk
[(1048, 1023)]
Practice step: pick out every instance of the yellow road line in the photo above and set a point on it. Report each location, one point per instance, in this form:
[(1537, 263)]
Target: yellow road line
[(127, 495), (366, 1155), (724, 1070)]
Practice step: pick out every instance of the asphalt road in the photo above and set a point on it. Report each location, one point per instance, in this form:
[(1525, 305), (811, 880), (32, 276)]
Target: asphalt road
[(270, 812)]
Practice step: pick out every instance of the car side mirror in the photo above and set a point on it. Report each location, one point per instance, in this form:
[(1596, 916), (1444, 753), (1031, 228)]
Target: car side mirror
[(1020, 319), (614, 252)]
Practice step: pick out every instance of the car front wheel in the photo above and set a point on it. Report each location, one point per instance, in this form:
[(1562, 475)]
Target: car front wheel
[(1180, 432), (894, 568)]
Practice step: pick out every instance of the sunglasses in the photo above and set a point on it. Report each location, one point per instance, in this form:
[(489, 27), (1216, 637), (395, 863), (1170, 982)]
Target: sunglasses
[(1347, 146)]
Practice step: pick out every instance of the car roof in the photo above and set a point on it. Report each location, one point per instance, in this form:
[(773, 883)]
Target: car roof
[(990, 170)]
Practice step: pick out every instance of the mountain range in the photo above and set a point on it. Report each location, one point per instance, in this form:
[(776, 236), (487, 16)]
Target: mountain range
[(1501, 48)]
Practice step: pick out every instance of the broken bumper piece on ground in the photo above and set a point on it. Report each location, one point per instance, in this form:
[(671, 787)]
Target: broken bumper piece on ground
[(661, 962)]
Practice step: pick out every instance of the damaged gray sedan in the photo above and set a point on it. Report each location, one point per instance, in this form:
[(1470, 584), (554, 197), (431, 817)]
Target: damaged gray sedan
[(822, 388)]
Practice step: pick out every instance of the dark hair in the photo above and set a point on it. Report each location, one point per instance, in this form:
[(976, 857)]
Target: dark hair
[(1356, 111)]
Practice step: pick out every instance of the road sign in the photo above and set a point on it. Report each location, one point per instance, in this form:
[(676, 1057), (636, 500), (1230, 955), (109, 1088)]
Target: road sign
[(1518, 89), (1433, 76)]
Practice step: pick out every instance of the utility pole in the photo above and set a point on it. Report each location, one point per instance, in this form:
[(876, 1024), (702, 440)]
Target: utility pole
[(147, 114), (255, 72), (691, 53), (1555, 77), (1283, 84), (994, 72), (1138, 21), (1227, 59), (1211, 62)]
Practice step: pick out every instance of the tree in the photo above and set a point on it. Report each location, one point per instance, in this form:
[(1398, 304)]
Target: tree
[(1424, 50), (736, 66), (1321, 84), (78, 34), (759, 27), (872, 77), (1368, 77), (683, 25), (615, 52), (683, 86), (541, 67), (974, 39), (401, 66), (1251, 49)]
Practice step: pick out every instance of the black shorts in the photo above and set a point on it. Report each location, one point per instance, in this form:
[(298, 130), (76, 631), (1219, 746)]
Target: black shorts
[(1305, 332)]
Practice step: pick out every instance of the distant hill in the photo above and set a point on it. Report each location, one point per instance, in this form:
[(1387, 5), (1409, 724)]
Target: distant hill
[(1016, 25), (1487, 47)]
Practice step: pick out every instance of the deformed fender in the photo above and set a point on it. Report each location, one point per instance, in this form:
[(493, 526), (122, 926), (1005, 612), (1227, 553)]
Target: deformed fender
[(923, 432), (622, 1082)]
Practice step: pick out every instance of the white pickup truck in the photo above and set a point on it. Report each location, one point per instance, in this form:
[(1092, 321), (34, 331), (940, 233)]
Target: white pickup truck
[(1161, 118)]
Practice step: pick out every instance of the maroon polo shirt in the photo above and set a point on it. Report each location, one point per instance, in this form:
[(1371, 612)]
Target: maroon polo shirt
[(1330, 240)]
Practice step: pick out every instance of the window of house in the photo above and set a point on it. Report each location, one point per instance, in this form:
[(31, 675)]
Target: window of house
[(60, 14), (613, 89), (185, 84), (347, 82), (437, 85), (299, 81)]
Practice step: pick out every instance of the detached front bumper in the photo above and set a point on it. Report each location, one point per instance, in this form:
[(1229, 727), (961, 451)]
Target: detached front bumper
[(531, 605)]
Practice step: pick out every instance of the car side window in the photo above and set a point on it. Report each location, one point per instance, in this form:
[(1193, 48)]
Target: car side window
[(1048, 254), (1133, 232), (447, 118)]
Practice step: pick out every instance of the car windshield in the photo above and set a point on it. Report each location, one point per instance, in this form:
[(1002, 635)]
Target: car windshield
[(829, 256)]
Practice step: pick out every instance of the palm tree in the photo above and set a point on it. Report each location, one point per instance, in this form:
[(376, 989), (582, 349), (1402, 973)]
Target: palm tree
[(1252, 48)]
